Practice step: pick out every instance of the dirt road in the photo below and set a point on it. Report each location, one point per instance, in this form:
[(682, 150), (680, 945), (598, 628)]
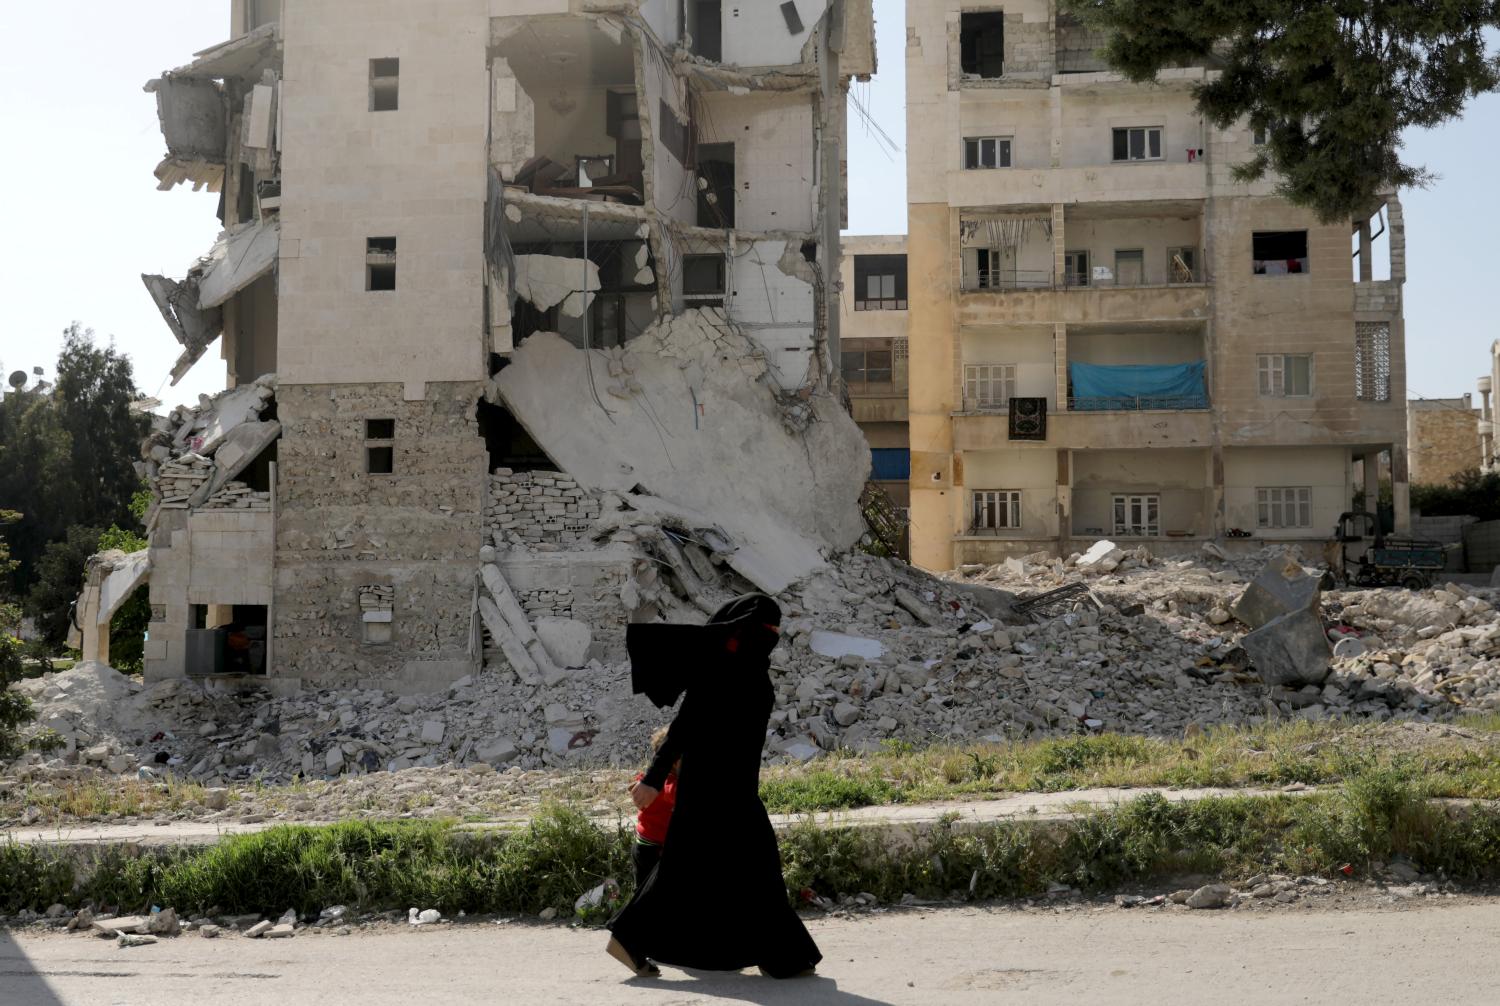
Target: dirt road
[(953, 956)]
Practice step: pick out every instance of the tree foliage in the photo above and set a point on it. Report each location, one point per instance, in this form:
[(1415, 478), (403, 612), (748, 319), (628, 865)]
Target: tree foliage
[(67, 453), (1468, 493), (1332, 84)]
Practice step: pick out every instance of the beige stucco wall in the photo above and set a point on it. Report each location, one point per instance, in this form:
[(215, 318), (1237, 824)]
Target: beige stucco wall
[(1033, 472), (1327, 471)]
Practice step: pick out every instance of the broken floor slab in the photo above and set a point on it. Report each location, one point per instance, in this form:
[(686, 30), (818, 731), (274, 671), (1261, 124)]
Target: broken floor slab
[(244, 56), (704, 439), (241, 255), (194, 327), (549, 280)]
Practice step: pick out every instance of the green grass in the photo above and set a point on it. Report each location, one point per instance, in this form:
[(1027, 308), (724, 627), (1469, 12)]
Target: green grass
[(1379, 811)]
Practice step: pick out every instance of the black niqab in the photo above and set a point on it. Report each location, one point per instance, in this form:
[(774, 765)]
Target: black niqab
[(720, 837)]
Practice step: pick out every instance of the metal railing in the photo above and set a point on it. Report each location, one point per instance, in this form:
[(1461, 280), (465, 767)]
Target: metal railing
[(1139, 403), (995, 405), (1010, 280)]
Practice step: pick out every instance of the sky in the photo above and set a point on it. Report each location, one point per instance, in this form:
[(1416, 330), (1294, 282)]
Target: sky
[(85, 219)]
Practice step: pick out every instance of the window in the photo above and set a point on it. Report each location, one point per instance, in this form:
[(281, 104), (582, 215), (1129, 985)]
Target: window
[(880, 282), (702, 22), (380, 453), (1283, 506), (996, 510), (1076, 268), (1138, 143), (989, 273), (1284, 376), (1372, 361), (1137, 516), (380, 263), (989, 385), (890, 464), (385, 79), (1182, 265), (1130, 267), (864, 363), (1258, 137), (1277, 253), (986, 152), (716, 195), (703, 280), (981, 43)]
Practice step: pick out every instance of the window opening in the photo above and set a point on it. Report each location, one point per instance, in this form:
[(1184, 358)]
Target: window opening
[(989, 385), (986, 152), (1284, 375), (996, 510), (1130, 267), (1137, 143), (865, 364), (703, 280), (981, 40), (716, 193), (1182, 265), (703, 23), (507, 442), (880, 282), (1076, 268), (1137, 516), (1278, 253), (380, 263), (385, 81), (1283, 506)]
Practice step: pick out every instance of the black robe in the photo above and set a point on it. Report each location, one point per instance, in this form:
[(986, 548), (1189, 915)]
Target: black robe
[(717, 900)]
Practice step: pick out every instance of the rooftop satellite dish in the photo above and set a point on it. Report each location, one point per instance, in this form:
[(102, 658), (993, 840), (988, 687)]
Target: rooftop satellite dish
[(18, 380)]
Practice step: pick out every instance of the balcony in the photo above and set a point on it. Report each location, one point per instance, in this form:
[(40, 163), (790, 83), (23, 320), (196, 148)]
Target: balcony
[(1181, 403), (1124, 183), (980, 427)]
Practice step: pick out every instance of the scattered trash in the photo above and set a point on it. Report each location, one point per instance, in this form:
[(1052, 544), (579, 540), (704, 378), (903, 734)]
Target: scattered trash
[(426, 917), (136, 940)]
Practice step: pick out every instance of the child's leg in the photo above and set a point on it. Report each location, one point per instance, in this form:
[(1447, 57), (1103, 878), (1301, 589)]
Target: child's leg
[(645, 856)]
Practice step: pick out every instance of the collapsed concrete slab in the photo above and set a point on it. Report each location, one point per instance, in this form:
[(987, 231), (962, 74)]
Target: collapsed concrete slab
[(703, 441), (194, 327), (235, 452), (1290, 649), (548, 280), (1279, 589), (241, 255)]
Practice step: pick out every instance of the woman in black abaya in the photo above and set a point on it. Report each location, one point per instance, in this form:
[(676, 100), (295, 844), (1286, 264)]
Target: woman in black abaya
[(720, 842)]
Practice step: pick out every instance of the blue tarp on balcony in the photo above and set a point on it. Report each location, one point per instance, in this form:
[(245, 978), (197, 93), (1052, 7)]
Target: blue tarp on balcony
[(1131, 387)]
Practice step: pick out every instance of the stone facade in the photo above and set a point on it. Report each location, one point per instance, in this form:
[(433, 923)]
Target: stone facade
[(1443, 434)]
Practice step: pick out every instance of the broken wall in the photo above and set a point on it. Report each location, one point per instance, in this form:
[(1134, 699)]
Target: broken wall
[(758, 34), (774, 156), (417, 529)]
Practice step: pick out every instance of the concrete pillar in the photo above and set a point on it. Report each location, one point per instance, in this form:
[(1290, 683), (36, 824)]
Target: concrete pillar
[(1059, 247), (1060, 354), (1400, 489), (1366, 267), (1371, 465), (1064, 498), (1216, 491)]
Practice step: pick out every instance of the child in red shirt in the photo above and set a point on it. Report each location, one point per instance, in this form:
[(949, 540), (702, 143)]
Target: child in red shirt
[(652, 821)]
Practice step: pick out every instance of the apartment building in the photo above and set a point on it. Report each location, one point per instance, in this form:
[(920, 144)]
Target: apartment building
[(873, 360), (1109, 336), (495, 273)]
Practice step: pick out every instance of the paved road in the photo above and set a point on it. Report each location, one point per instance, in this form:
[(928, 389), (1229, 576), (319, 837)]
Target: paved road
[(955, 956)]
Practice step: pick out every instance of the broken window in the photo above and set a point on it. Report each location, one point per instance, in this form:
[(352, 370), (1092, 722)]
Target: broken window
[(1283, 506), (880, 282), (1284, 375), (702, 23), (385, 79), (380, 263), (1076, 268), (674, 134), (996, 510), (716, 185), (1258, 136), (1138, 143), (989, 386), (986, 152), (1372, 361), (1278, 253), (1130, 267), (1137, 516), (703, 280), (507, 442), (865, 364), (235, 642), (981, 41), (380, 452), (1182, 265)]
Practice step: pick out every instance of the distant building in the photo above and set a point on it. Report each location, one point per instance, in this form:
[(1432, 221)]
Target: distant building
[(1442, 436), (872, 326)]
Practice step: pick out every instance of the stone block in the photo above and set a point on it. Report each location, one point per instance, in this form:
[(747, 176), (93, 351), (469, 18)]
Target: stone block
[(1278, 589), (1290, 650), (566, 640)]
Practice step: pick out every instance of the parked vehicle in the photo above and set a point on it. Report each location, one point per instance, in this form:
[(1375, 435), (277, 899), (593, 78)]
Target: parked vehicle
[(1382, 561)]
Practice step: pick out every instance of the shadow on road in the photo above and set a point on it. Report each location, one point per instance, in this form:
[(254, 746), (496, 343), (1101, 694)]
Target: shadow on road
[(20, 982), (753, 988)]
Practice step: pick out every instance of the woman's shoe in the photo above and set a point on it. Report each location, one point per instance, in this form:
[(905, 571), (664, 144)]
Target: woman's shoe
[(640, 968)]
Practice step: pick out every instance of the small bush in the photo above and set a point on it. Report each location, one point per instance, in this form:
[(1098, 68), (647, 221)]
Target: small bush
[(825, 790), (32, 877)]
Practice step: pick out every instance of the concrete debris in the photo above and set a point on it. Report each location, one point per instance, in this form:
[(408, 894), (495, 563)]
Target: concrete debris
[(130, 940), (240, 256), (1210, 896), (259, 929), (837, 644), (111, 925), (1279, 589), (549, 280), (1291, 649)]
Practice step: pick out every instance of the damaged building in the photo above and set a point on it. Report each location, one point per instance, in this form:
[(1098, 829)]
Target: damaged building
[(1110, 335), (528, 312)]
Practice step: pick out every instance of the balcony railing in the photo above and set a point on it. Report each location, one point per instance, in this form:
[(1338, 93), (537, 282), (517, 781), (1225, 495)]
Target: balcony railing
[(1183, 403), (1039, 279), (996, 405), (1010, 279)]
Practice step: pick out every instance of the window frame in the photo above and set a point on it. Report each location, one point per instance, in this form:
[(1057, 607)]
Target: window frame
[(1120, 519), (385, 85), (890, 266), (1260, 266), (1192, 264), (978, 59), (706, 298), (1146, 133), (1140, 256), (989, 375), (1273, 503), (1271, 375), (998, 141), (849, 349), (990, 503), (1072, 274)]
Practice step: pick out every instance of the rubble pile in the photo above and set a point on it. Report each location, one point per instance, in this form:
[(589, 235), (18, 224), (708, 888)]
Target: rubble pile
[(238, 496), (542, 510), (873, 650), (178, 479)]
